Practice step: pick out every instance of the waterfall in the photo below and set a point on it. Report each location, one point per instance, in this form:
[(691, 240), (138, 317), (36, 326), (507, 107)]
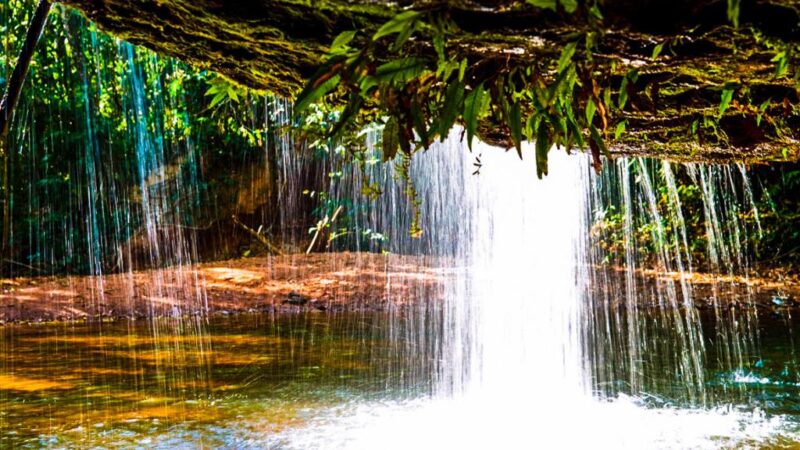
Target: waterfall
[(537, 283), (527, 275), (570, 301), (636, 206)]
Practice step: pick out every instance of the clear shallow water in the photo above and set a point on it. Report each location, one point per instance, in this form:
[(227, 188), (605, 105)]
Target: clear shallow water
[(344, 381)]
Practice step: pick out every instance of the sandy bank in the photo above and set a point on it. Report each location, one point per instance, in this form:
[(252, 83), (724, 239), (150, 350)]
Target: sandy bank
[(291, 283)]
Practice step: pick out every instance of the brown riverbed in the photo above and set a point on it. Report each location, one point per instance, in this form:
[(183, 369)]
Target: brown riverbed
[(290, 283), (320, 282)]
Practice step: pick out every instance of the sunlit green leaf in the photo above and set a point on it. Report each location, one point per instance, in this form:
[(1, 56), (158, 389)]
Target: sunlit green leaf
[(591, 108), (566, 56), (400, 70), (569, 6), (323, 81), (453, 104), (545, 4), (657, 50), (218, 99), (313, 93), (474, 105), (342, 40), (733, 12), (619, 130), (397, 24), (725, 100)]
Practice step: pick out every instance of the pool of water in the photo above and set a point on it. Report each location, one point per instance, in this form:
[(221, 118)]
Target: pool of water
[(359, 381)]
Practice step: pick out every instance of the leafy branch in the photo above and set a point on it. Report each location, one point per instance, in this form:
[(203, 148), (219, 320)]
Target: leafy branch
[(424, 84)]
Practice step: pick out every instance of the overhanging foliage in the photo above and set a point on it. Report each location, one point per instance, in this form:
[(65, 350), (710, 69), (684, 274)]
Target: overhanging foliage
[(687, 80)]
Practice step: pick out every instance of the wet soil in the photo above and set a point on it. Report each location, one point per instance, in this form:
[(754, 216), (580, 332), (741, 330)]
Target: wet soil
[(290, 283), (320, 282)]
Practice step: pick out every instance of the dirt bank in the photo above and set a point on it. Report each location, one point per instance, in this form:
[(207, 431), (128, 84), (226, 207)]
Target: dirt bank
[(316, 282), (291, 283)]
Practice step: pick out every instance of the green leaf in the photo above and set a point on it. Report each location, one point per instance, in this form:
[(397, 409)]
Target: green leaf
[(367, 83), (725, 100), (402, 37), (630, 77), (566, 56), (595, 12), (418, 119), (598, 139), (733, 12), (542, 148), (545, 4), (213, 89), (591, 108), (576, 131), (397, 24), (453, 103), (623, 94), (570, 6), (515, 125), (232, 94), (761, 109), (349, 112), (474, 105), (342, 40), (313, 92), (218, 99), (657, 50), (620, 129), (462, 69), (400, 70), (390, 141), (322, 82), (782, 64), (438, 45)]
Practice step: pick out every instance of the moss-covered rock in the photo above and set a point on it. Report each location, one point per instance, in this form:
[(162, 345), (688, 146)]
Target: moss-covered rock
[(675, 107)]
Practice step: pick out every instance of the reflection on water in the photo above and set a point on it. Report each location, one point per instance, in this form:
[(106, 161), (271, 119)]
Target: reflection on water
[(337, 381), (99, 384)]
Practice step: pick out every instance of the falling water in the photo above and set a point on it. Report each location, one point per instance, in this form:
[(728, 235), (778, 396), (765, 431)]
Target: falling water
[(545, 328), (637, 206)]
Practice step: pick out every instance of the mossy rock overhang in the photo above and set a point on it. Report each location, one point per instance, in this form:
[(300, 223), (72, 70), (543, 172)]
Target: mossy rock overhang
[(276, 45)]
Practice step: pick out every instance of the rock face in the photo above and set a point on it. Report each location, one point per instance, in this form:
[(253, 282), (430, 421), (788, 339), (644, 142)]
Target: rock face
[(263, 44), (675, 103)]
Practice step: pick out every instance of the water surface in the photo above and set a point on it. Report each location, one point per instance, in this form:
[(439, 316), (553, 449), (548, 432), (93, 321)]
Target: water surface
[(344, 381)]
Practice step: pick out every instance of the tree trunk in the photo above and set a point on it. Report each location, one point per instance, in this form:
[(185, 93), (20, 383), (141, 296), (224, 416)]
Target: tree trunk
[(7, 106)]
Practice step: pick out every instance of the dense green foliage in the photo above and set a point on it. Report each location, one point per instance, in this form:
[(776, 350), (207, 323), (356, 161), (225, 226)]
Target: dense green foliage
[(553, 101), (102, 124), (753, 211), (419, 75), (115, 151)]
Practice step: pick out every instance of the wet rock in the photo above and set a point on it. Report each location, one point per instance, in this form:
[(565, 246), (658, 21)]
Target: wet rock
[(295, 298), (318, 305)]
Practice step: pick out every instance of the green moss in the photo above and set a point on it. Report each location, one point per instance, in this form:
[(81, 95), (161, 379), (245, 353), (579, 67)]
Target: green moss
[(275, 45)]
